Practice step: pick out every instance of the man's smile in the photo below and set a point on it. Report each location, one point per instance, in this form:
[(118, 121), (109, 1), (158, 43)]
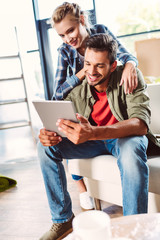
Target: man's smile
[(94, 77)]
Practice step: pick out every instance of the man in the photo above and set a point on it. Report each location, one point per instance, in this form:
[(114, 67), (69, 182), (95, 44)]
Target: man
[(110, 122)]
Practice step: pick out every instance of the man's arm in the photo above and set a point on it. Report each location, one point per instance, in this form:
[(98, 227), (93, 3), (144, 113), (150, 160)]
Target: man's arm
[(83, 131), (129, 127)]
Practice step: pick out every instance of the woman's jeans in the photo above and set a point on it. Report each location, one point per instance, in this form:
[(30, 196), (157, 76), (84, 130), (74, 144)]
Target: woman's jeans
[(131, 159)]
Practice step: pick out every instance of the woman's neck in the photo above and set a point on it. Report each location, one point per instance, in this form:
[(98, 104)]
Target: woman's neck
[(82, 48)]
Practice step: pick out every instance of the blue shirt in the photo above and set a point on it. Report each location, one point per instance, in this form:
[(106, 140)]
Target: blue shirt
[(69, 63)]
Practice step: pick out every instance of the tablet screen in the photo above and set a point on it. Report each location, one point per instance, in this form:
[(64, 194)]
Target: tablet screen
[(50, 111)]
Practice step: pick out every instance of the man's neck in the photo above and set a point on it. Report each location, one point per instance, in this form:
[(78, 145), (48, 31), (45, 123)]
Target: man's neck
[(103, 86), (99, 89)]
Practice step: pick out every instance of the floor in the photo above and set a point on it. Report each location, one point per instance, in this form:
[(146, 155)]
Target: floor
[(24, 212)]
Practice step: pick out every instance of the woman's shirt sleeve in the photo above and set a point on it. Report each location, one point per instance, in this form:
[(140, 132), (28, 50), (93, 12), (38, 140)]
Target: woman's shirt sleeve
[(64, 83)]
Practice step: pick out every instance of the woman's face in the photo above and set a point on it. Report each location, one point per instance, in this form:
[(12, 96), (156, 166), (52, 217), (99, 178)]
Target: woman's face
[(71, 31)]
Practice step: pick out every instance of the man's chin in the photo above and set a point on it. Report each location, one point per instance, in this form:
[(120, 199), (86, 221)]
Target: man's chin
[(92, 83)]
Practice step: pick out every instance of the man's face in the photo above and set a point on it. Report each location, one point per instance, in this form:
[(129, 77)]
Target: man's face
[(97, 67)]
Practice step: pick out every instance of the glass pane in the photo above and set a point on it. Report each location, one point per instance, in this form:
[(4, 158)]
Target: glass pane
[(33, 75), (10, 68), (20, 14), (11, 90), (129, 42), (8, 36), (148, 59), (127, 16), (13, 112), (26, 26), (46, 7), (55, 41)]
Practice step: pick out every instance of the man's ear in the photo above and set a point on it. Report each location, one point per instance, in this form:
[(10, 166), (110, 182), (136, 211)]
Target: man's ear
[(113, 66)]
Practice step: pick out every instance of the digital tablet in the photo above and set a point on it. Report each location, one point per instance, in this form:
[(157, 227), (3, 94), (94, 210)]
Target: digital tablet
[(50, 111)]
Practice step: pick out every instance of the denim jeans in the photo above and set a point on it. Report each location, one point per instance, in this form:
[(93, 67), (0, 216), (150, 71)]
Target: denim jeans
[(131, 159)]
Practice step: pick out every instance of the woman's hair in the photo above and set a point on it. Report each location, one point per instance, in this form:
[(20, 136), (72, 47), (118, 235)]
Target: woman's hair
[(103, 42), (73, 9)]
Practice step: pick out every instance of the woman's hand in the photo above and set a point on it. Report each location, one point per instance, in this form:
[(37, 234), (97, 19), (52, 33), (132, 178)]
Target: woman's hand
[(81, 74), (48, 138), (129, 78)]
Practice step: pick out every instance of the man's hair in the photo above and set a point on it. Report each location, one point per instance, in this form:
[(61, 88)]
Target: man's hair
[(103, 42)]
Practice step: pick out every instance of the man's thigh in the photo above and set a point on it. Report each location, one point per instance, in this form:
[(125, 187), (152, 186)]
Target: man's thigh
[(69, 150)]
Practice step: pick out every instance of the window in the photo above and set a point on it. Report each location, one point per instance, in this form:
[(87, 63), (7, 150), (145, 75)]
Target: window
[(46, 7), (19, 14), (127, 17)]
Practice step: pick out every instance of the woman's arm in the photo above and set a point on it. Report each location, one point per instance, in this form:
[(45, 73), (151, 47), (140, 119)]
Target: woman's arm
[(63, 84), (129, 76)]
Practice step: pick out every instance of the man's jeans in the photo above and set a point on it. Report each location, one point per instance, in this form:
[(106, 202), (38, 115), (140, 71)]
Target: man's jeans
[(131, 159)]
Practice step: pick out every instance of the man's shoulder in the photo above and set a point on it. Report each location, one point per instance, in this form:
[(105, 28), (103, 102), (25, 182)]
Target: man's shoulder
[(80, 88), (117, 75), (120, 68), (79, 91)]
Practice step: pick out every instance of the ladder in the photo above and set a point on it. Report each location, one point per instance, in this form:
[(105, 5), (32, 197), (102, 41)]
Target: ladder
[(20, 123)]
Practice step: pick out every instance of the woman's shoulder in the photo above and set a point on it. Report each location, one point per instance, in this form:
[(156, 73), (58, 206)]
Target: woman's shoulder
[(67, 51), (64, 48), (98, 28)]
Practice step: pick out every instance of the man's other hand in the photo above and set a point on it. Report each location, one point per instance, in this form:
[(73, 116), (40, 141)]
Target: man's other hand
[(48, 138), (76, 132)]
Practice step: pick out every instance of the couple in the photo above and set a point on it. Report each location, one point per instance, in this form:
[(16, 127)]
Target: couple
[(72, 26), (110, 122)]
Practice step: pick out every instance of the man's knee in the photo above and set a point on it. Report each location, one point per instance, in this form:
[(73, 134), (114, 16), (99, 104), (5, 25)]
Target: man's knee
[(132, 152), (132, 145), (46, 154)]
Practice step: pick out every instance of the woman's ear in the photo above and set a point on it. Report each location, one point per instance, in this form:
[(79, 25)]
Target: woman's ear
[(113, 66), (82, 19)]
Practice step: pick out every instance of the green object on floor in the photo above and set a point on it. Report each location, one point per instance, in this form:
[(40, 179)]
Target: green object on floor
[(6, 183)]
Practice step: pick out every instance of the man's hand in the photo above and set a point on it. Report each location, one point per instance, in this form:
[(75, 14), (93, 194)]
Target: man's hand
[(48, 138), (129, 78), (76, 132)]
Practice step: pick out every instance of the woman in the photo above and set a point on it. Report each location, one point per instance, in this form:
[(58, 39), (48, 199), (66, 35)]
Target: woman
[(70, 24)]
